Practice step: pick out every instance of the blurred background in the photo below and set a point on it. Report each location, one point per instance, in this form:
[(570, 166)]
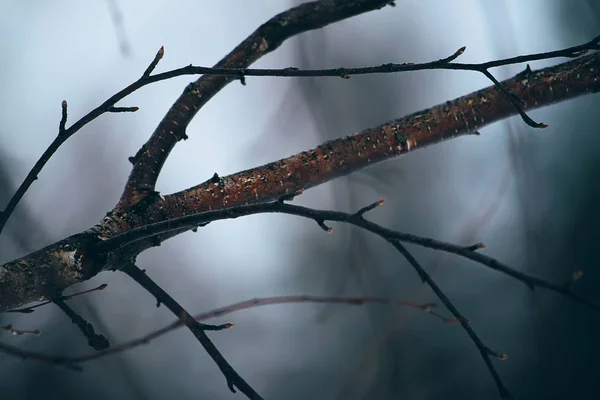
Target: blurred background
[(530, 195)]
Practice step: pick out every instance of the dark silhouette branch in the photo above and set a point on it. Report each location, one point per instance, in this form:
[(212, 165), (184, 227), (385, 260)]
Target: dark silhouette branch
[(234, 380), (20, 283), (427, 308), (186, 223), (95, 340), (483, 349)]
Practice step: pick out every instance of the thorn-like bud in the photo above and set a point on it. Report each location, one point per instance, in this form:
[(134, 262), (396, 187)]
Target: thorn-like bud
[(475, 247), (368, 208), (324, 227), (159, 55), (215, 178), (460, 51), (63, 119), (501, 356)]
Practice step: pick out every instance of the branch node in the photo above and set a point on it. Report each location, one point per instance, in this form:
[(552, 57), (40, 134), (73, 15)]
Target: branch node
[(290, 196)]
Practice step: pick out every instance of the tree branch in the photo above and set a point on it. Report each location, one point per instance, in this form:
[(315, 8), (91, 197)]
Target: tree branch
[(464, 115), (427, 308), (233, 378), (150, 158), (181, 224), (75, 259)]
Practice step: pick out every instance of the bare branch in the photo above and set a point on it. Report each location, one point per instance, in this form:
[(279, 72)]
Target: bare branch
[(320, 216), (267, 38), (18, 332), (427, 308), (31, 309), (95, 340), (65, 133), (233, 378), (485, 351)]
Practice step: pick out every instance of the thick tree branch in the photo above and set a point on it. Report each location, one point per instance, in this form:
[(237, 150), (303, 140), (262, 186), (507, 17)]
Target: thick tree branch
[(149, 160), (464, 115), (74, 259)]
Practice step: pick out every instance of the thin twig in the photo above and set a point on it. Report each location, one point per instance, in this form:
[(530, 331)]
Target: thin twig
[(483, 349), (320, 216), (19, 332), (258, 302), (233, 378), (95, 340), (28, 310), (427, 308)]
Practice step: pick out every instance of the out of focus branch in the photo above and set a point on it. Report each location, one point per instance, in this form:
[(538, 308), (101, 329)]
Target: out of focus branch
[(428, 308)]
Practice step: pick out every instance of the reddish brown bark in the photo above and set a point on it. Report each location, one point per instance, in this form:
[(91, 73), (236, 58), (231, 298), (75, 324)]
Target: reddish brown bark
[(149, 160), (342, 156), (69, 261)]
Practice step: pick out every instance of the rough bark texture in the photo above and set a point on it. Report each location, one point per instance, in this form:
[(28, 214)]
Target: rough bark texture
[(268, 37), (47, 272)]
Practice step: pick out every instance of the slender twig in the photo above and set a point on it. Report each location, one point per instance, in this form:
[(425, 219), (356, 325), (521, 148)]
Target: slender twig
[(483, 349), (18, 332), (320, 216), (233, 378), (96, 341), (441, 64), (26, 354), (258, 302), (427, 308), (346, 72), (28, 310), (65, 133)]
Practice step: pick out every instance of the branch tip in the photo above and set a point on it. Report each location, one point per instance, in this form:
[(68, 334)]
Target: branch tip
[(501, 356), (576, 275), (159, 55), (475, 247), (322, 225), (63, 118), (368, 208)]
